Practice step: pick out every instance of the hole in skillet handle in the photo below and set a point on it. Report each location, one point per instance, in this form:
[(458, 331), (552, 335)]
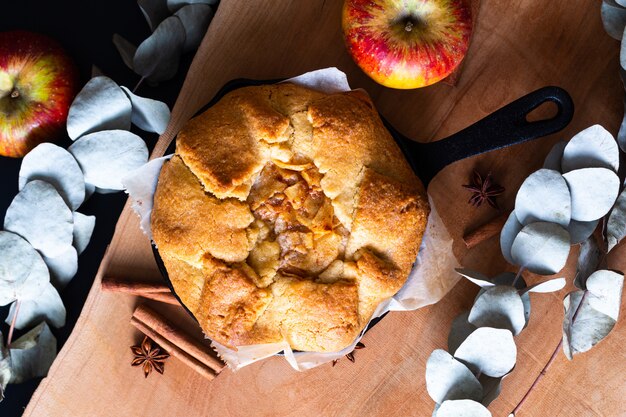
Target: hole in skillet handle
[(547, 110)]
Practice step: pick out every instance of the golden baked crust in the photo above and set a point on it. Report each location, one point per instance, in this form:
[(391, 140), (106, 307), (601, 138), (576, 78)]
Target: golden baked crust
[(187, 223), (287, 214), (316, 316)]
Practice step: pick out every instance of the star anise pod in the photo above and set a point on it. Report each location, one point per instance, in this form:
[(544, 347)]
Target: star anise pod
[(484, 189), (350, 355), (149, 356)]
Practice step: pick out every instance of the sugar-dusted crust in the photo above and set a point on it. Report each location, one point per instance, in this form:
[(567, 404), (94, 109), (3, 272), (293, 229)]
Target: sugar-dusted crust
[(287, 214)]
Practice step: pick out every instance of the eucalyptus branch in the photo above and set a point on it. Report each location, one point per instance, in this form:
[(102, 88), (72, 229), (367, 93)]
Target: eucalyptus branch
[(141, 80), (517, 277), (553, 210), (549, 363), (158, 56), (53, 205), (13, 321), (560, 344), (541, 375)]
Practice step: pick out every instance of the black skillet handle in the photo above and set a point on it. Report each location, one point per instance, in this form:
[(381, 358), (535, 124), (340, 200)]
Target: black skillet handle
[(506, 126)]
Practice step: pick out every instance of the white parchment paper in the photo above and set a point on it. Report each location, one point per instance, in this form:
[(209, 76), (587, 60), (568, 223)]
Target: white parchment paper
[(431, 278)]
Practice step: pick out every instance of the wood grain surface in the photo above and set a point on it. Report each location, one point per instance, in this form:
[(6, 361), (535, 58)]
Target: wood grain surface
[(517, 47)]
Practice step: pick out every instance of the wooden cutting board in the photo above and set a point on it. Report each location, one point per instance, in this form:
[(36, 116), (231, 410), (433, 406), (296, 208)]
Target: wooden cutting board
[(517, 47)]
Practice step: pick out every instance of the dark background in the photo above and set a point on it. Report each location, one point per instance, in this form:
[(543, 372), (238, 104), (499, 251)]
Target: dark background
[(85, 29)]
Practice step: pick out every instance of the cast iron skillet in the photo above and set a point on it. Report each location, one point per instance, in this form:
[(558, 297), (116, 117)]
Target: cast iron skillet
[(504, 127)]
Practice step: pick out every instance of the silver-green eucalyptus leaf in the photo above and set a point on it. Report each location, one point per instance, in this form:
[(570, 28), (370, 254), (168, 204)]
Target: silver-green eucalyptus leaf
[(509, 278), (155, 11), (588, 262), (148, 114), (489, 351), (622, 52), (509, 232), (491, 388), (621, 134), (613, 18), (100, 105), (475, 277), (56, 166), (23, 274), (125, 48), (83, 229), (462, 408), (39, 214), (593, 191), (616, 225), (449, 379), (543, 196), (106, 157), (45, 307), (593, 147), (5, 368), (63, 267), (195, 18), (175, 5), (580, 231), (90, 189), (504, 278), (591, 315), (553, 159), (550, 285), (157, 58), (589, 328), (499, 307), (606, 288), (33, 354), (459, 330), (541, 248)]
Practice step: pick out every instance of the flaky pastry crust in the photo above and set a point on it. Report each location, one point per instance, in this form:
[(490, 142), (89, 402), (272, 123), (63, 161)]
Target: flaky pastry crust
[(287, 214)]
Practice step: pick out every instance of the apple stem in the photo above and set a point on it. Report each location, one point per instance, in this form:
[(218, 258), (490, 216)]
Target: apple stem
[(15, 93), (409, 26)]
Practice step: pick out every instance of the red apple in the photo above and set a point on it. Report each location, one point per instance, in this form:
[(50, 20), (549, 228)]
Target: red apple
[(38, 82), (407, 44)]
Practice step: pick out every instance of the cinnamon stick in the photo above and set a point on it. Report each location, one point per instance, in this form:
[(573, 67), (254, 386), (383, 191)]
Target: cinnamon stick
[(154, 291), (192, 351), (123, 285), (486, 231), (174, 350)]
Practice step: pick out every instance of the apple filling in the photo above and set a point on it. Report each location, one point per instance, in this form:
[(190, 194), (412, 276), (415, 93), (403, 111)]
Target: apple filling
[(296, 230)]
